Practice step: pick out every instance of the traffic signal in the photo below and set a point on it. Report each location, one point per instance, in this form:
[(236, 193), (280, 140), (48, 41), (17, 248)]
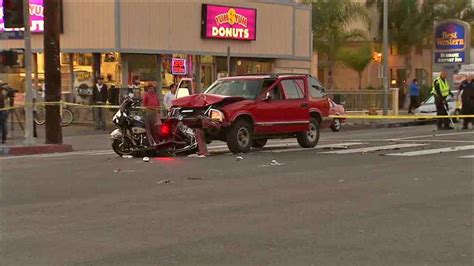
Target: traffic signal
[(9, 58), (13, 14)]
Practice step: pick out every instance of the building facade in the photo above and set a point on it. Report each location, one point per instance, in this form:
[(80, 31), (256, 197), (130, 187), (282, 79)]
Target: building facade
[(163, 41)]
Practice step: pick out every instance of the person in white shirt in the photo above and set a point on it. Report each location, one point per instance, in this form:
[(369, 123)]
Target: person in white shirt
[(169, 97)]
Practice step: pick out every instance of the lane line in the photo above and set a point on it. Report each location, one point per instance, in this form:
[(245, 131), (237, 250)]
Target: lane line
[(430, 136), (433, 151), (376, 148), (325, 146), (467, 157)]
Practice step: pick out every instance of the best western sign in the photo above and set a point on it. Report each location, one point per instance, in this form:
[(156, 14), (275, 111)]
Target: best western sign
[(451, 42), (225, 22)]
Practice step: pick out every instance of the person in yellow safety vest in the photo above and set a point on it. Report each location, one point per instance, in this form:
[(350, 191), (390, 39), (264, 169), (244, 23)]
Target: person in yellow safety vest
[(441, 91)]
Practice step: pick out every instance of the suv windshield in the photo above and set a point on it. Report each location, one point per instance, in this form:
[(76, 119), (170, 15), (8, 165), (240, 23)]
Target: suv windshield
[(247, 88)]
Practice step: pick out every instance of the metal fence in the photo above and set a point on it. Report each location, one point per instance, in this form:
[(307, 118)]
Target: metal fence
[(361, 100)]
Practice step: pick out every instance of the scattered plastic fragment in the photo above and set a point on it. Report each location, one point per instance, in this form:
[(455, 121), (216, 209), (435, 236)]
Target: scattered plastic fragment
[(146, 159), (196, 156), (127, 156), (196, 178), (341, 180), (167, 181), (416, 178), (276, 163), (239, 158), (117, 170)]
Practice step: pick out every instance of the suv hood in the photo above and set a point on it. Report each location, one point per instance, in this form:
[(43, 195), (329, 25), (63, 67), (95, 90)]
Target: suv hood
[(203, 100)]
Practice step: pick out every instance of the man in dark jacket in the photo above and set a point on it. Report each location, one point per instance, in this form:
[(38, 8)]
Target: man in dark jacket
[(99, 97), (466, 89)]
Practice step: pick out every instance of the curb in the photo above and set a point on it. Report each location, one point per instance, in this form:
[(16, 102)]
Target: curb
[(35, 149), (388, 124)]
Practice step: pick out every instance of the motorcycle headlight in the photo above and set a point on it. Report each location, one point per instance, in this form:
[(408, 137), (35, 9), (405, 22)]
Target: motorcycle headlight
[(216, 115)]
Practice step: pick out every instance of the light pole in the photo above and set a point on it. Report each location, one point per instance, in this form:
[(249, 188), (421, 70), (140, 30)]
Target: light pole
[(29, 140), (385, 58)]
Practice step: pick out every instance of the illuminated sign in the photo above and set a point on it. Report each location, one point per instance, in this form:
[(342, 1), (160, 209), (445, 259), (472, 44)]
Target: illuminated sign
[(451, 42), (224, 22), (178, 66), (36, 17)]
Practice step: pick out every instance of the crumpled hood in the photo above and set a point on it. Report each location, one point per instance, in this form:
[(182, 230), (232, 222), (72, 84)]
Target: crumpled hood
[(203, 100)]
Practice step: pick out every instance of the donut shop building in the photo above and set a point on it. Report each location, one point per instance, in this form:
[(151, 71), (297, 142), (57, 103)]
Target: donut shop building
[(164, 41)]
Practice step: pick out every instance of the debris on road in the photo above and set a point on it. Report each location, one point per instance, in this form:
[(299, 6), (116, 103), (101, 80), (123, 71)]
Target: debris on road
[(341, 180), (197, 178), (127, 156), (239, 158), (166, 181), (416, 179), (146, 159), (196, 156), (276, 163), (118, 170), (336, 148)]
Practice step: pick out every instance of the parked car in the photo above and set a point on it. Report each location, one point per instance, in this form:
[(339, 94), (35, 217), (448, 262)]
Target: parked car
[(336, 109), (246, 111), (185, 88), (428, 107)]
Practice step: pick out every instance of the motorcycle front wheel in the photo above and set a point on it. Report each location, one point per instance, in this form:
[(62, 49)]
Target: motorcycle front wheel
[(122, 148)]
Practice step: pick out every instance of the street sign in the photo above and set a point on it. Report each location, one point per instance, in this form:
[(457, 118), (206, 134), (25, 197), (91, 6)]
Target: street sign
[(451, 42), (178, 66), (11, 35)]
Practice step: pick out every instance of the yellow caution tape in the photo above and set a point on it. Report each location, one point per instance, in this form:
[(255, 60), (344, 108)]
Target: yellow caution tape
[(106, 106), (400, 116)]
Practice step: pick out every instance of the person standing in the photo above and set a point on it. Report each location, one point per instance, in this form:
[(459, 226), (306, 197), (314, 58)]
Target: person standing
[(441, 91), (152, 105), (414, 95), (169, 97), (466, 89), (99, 97)]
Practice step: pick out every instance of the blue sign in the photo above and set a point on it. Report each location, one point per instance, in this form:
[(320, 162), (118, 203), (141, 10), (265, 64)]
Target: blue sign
[(450, 57), (451, 42), (450, 36)]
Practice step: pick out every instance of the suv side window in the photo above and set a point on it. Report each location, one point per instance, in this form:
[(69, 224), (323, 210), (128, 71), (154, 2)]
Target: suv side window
[(292, 90), (316, 89)]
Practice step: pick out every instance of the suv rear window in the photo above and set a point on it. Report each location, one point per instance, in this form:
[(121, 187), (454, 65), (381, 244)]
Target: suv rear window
[(292, 90)]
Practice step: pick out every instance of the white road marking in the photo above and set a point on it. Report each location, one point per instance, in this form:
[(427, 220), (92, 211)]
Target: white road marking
[(325, 146), (467, 157), (430, 136), (376, 148), (434, 151)]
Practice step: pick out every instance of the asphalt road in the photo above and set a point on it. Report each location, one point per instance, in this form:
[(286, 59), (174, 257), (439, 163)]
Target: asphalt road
[(399, 196)]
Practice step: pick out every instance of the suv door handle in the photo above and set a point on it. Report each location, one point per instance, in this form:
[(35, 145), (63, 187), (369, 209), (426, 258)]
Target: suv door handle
[(304, 105)]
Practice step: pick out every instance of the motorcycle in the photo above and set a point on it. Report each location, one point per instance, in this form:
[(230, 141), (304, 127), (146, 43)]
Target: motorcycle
[(132, 137)]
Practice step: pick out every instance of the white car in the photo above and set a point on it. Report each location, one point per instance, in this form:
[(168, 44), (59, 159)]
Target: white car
[(428, 107)]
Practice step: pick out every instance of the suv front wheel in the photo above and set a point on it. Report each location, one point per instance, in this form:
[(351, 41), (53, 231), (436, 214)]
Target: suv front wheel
[(310, 138), (240, 136)]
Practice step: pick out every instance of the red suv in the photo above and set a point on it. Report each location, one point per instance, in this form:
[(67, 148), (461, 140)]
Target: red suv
[(246, 111)]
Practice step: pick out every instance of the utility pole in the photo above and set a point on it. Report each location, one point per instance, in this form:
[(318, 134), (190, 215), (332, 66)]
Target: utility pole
[(29, 140), (386, 83), (52, 71)]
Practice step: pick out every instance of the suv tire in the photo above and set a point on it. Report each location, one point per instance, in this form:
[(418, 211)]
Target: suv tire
[(310, 138), (259, 143), (239, 137)]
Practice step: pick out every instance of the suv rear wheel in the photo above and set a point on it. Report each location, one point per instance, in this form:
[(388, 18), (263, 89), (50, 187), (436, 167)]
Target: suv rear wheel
[(240, 136), (310, 138)]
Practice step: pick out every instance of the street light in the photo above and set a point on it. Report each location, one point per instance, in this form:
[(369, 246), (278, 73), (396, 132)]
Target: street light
[(385, 58)]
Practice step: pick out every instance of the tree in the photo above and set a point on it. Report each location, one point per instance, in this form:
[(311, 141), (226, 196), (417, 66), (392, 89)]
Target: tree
[(411, 22), (330, 21), (356, 59)]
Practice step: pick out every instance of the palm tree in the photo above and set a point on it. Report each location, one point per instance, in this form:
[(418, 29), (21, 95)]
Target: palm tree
[(356, 58), (331, 19), (411, 22)]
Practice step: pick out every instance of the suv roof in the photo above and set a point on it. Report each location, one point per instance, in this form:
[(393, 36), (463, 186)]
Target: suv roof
[(262, 76)]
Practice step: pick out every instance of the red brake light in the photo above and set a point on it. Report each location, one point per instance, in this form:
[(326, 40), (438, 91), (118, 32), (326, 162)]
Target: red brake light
[(165, 129)]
